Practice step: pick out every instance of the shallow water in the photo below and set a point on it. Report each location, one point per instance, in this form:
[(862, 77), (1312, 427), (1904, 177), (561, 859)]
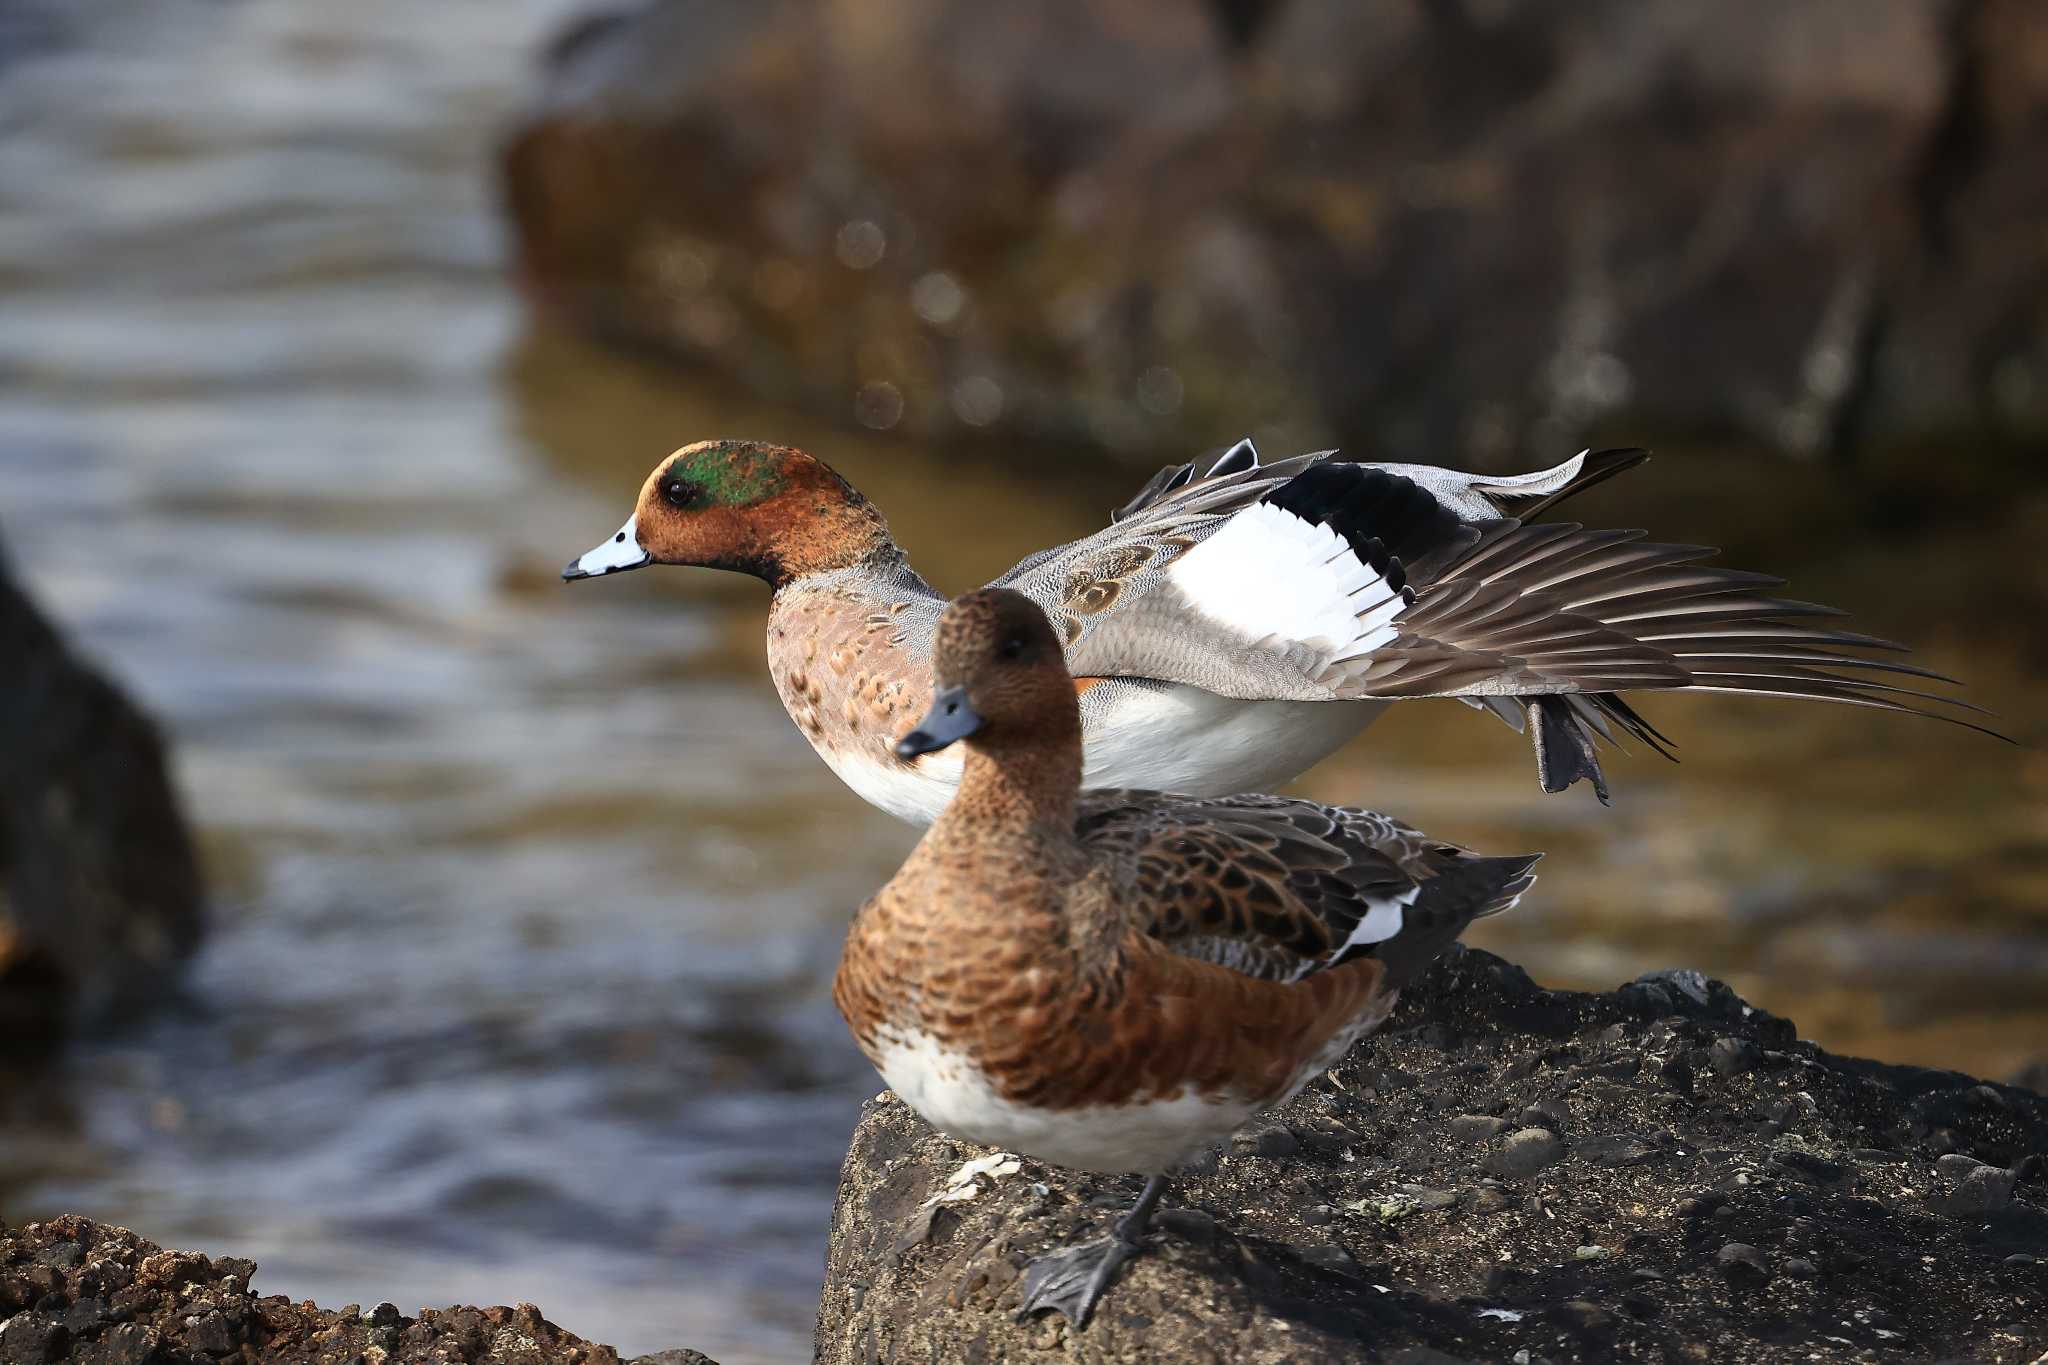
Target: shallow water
[(527, 897)]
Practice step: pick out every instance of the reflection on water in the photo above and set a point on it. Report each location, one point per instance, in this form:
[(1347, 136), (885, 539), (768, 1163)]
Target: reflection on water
[(527, 897)]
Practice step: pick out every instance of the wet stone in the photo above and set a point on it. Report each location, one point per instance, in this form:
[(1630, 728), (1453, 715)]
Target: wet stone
[(1799, 1268), (1273, 1141)]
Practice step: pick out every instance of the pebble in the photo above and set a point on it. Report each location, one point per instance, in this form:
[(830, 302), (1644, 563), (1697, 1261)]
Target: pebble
[(209, 1335), (1486, 1199), (1549, 1114), (1735, 1056), (1274, 1141), (1799, 1268), (1613, 1149), (1986, 1189), (1423, 1197), (1740, 1258), (1956, 1165), (1476, 1127), (1525, 1152), (1579, 1315), (32, 1338), (1806, 1166)]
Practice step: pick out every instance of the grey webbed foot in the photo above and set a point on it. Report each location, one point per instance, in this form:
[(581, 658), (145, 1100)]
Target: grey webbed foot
[(1072, 1280)]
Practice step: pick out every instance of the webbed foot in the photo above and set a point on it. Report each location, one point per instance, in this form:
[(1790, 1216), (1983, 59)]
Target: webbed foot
[(1072, 1280)]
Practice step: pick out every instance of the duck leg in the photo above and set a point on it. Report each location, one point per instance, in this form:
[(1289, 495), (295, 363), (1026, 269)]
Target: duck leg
[(1071, 1281)]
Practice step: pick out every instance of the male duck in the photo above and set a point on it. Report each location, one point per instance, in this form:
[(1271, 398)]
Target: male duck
[(1211, 624), (1116, 981)]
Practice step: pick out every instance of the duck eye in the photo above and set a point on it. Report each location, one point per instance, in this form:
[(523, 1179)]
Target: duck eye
[(679, 492), (1012, 648)]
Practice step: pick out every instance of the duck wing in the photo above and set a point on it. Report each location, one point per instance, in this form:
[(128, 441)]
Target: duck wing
[(1082, 582), (1278, 888), (1350, 581)]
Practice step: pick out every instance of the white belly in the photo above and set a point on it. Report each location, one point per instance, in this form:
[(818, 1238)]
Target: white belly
[(1172, 739), (951, 1095), (1182, 739)]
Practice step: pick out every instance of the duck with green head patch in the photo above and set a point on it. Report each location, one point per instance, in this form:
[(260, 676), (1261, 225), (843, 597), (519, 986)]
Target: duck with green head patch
[(1235, 624)]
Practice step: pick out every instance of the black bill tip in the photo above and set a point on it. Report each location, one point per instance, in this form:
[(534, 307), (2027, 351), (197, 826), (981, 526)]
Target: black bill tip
[(951, 718)]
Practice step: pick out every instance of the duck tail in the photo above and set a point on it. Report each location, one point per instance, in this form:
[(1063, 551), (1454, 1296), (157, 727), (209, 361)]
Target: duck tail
[(1468, 888)]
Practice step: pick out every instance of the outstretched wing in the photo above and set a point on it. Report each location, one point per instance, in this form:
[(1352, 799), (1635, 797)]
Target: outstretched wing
[(1350, 581), (1278, 888), (1087, 581)]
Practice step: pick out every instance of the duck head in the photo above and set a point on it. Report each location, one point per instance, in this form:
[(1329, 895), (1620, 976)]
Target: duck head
[(766, 510), (999, 674)]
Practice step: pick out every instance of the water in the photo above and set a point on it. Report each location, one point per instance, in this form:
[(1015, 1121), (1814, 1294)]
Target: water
[(527, 897)]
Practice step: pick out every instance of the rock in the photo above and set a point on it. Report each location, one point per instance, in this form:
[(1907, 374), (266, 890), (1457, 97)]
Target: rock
[(1274, 1140), (1806, 1166), (1735, 1259), (1475, 1127), (1735, 1056), (1613, 1149), (1262, 1284), (1985, 1189), (99, 883), (1525, 1153), (1427, 232), (183, 1307)]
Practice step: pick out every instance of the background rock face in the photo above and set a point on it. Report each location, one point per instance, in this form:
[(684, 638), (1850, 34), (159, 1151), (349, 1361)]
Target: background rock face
[(1453, 231), (99, 885), (1656, 1173)]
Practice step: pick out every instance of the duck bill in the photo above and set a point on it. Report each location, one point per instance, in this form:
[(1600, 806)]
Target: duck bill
[(622, 552), (952, 718)]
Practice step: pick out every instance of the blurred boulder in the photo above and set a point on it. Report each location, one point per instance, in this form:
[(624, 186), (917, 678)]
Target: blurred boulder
[(1464, 230), (99, 884)]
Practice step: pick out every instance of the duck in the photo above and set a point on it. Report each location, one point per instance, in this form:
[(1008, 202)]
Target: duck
[(1116, 981), (1238, 620)]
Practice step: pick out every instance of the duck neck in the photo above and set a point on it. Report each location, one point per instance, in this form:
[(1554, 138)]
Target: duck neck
[(822, 526), (1019, 788)]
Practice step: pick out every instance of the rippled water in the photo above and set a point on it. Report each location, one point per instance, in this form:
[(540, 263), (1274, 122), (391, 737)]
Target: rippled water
[(527, 897)]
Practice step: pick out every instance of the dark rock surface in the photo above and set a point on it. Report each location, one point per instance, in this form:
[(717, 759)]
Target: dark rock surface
[(72, 1289), (99, 882), (1646, 1198), (1455, 230)]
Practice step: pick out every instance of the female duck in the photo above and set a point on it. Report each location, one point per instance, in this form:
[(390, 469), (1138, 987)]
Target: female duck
[(1213, 624), (1117, 981)]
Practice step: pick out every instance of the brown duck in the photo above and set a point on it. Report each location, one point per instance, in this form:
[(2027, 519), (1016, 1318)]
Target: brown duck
[(1116, 981)]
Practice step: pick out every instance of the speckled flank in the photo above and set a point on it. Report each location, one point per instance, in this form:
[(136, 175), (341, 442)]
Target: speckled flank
[(847, 670)]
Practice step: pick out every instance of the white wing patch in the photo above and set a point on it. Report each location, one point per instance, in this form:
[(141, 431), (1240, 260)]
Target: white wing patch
[(1383, 919), (1269, 573)]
